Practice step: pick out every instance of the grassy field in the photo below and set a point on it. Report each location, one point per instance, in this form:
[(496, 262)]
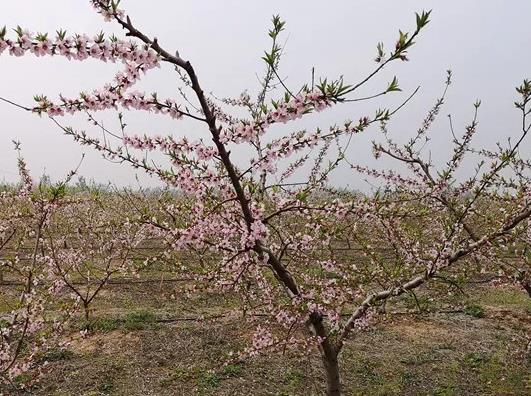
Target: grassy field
[(144, 342)]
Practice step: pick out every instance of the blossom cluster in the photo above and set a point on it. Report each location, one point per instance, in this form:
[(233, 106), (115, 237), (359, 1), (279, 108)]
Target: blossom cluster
[(169, 145), (108, 9), (80, 47), (111, 97), (136, 58), (292, 109)]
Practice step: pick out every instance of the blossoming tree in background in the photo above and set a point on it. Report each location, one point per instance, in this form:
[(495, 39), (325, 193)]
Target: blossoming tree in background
[(273, 231), (58, 251), (87, 245), (26, 329)]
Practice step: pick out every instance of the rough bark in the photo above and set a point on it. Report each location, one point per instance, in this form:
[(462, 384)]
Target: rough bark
[(333, 382), (329, 354)]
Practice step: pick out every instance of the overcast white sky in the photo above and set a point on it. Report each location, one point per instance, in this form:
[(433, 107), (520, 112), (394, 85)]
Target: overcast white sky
[(487, 44)]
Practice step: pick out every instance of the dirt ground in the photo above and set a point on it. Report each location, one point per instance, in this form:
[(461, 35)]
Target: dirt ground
[(144, 343)]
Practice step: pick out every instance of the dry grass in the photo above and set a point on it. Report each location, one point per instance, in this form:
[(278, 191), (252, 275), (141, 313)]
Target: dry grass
[(134, 350)]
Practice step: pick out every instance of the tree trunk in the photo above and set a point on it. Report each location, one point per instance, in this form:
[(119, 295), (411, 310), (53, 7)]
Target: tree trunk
[(87, 312), (329, 354), (333, 382)]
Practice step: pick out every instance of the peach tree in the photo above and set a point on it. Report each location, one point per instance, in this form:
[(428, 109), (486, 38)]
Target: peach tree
[(270, 225)]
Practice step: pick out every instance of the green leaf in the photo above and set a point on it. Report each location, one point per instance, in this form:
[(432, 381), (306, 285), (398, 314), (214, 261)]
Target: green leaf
[(61, 34), (393, 85)]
